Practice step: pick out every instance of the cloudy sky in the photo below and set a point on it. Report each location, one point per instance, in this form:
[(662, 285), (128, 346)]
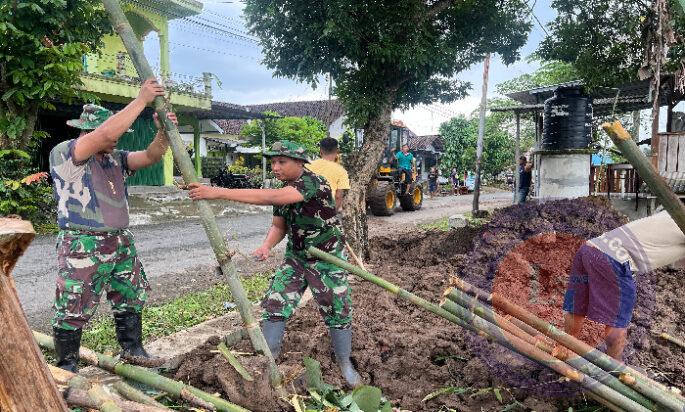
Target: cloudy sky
[(204, 43)]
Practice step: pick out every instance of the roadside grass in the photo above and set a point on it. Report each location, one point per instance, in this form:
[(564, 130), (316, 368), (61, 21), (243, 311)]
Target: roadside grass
[(442, 224), (181, 313)]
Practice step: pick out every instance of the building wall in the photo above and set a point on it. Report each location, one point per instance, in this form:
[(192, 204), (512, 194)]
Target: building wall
[(337, 128)]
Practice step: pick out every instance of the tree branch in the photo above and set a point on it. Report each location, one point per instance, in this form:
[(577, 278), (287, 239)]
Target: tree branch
[(31, 118)]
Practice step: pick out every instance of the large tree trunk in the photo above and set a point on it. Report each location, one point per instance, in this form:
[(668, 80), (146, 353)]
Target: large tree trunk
[(363, 165), (25, 382)]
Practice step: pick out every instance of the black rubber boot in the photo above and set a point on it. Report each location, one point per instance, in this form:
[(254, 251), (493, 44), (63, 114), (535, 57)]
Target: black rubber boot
[(341, 339), (129, 328), (273, 334), (67, 344)]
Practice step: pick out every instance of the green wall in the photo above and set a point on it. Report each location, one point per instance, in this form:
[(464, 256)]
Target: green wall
[(143, 132)]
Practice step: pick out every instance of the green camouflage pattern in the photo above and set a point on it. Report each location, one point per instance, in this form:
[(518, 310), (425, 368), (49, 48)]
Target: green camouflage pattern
[(90, 262), (91, 118), (313, 221), (328, 283), (286, 148)]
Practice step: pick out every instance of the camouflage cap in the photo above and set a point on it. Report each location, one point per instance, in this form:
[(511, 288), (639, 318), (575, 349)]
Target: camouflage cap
[(287, 148), (91, 117)]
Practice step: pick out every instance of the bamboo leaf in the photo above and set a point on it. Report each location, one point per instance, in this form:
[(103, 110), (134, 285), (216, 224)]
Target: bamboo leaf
[(444, 391), (498, 395), (233, 361), (313, 374), (368, 398)]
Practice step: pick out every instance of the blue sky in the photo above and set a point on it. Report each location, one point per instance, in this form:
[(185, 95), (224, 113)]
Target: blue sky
[(236, 63)]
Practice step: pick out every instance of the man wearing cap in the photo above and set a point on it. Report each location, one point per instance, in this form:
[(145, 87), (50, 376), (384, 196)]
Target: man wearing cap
[(304, 210), (95, 250)]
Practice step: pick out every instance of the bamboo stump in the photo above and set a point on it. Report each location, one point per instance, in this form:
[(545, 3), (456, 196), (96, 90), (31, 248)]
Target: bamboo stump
[(25, 382)]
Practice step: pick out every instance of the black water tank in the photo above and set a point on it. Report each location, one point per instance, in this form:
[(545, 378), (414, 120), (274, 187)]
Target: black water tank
[(568, 120)]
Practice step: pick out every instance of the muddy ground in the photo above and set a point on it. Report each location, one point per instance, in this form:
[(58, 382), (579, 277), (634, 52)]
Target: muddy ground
[(525, 253)]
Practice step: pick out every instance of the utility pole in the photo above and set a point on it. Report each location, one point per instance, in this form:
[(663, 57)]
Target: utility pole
[(263, 151), (481, 134), (517, 154)]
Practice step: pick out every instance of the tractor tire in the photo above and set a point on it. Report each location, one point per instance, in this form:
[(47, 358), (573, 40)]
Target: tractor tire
[(412, 201), (382, 199)]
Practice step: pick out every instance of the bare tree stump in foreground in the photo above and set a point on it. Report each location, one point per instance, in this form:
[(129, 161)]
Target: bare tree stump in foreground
[(25, 382)]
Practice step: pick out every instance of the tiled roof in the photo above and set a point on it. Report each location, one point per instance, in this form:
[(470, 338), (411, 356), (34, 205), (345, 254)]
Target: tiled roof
[(327, 111), (422, 142)]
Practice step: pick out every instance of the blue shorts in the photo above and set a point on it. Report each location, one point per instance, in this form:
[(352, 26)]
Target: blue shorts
[(600, 288)]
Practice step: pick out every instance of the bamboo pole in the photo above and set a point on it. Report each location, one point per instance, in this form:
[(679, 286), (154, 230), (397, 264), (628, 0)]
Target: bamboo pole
[(223, 256), (487, 313), (514, 344), (679, 342), (142, 375), (133, 394), (647, 172), (628, 375), (520, 346)]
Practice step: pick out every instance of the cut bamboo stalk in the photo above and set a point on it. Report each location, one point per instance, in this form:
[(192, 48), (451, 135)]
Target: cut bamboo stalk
[(81, 385), (233, 361), (639, 382), (216, 240), (520, 346), (194, 400), (142, 375), (494, 334), (356, 259), (672, 339), (133, 394), (103, 399), (469, 303), (524, 326), (647, 172)]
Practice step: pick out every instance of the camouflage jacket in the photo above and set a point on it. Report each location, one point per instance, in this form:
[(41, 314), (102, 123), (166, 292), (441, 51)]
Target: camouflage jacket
[(313, 221)]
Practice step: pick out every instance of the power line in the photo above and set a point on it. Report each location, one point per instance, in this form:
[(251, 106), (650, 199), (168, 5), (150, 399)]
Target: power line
[(220, 52)]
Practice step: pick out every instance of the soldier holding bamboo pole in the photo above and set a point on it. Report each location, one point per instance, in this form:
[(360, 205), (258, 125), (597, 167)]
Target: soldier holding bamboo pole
[(304, 210), (601, 284), (95, 249)]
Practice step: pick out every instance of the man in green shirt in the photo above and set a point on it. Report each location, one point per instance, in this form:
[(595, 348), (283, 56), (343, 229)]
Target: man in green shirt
[(304, 210), (405, 164)]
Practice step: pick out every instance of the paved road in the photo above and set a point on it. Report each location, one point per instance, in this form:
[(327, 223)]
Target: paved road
[(178, 259)]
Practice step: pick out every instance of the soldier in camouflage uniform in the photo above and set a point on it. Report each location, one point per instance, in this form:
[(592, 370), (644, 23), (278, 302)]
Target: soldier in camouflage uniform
[(304, 210), (95, 249)]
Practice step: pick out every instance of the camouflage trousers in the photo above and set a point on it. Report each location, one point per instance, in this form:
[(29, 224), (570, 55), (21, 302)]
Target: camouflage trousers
[(327, 282), (90, 262)]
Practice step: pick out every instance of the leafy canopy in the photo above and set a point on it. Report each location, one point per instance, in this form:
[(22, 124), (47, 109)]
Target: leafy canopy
[(305, 130), (41, 48), (549, 73), (603, 39), (382, 55)]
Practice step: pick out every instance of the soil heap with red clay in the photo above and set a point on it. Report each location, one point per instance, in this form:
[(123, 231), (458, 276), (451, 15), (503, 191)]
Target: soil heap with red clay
[(524, 252)]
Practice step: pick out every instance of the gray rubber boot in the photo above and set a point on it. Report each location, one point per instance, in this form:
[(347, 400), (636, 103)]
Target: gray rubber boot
[(273, 333), (341, 339)]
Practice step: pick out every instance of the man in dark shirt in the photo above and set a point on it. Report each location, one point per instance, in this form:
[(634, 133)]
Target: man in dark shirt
[(525, 171), (304, 210)]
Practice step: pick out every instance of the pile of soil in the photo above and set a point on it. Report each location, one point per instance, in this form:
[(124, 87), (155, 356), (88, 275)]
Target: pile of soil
[(410, 353)]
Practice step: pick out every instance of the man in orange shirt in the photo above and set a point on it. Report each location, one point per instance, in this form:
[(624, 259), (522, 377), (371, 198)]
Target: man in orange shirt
[(332, 171)]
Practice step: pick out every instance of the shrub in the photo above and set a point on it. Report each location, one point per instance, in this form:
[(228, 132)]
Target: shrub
[(23, 190)]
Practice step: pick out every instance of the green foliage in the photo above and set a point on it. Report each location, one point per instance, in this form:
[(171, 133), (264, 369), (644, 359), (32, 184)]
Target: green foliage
[(460, 142), (324, 397), (549, 73), (41, 49), (603, 39), (305, 130), (181, 313), (24, 191), (383, 56), (441, 224)]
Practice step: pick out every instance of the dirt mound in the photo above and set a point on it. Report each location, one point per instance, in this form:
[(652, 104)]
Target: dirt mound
[(209, 370), (524, 253), (419, 248)]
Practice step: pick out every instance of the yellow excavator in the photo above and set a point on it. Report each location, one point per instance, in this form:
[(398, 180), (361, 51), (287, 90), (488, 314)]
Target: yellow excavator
[(388, 185)]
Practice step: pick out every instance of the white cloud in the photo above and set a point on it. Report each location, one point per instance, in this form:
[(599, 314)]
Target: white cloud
[(424, 120)]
